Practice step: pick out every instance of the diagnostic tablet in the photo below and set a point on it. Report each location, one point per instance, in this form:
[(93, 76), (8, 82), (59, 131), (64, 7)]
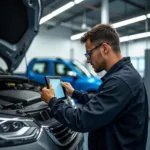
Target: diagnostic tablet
[(55, 81)]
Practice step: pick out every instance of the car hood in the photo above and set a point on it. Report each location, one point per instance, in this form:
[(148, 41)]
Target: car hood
[(94, 80), (17, 29)]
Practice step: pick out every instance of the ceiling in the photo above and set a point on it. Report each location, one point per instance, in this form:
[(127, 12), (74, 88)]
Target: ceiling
[(89, 12)]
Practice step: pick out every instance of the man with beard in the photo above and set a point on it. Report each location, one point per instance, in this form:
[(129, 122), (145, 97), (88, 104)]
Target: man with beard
[(116, 117)]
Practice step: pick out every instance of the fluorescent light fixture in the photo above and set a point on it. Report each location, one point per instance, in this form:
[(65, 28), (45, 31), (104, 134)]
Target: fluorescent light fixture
[(129, 21), (77, 36), (135, 36), (148, 15), (59, 10), (78, 1), (117, 25), (122, 39)]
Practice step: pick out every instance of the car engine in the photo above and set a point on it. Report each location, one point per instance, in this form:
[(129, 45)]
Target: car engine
[(21, 97)]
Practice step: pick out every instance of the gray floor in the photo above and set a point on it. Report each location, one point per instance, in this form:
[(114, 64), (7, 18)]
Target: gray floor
[(148, 140)]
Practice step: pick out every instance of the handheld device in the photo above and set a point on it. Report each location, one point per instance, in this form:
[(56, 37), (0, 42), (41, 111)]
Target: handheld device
[(56, 84)]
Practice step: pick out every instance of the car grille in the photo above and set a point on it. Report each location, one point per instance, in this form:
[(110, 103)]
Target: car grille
[(63, 134), (60, 134), (45, 114)]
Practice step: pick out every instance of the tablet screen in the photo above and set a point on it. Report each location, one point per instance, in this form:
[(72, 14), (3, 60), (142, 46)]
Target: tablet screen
[(58, 89)]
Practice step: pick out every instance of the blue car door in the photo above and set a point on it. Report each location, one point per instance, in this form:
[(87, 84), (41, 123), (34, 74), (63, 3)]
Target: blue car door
[(38, 71), (66, 73)]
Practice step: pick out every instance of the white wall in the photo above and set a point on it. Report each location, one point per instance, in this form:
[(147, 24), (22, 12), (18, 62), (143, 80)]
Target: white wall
[(135, 48), (57, 43), (53, 43)]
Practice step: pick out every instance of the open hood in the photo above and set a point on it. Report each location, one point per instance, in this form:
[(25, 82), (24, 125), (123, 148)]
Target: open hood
[(19, 23)]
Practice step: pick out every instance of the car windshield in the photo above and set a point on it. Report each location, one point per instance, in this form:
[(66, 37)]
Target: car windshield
[(81, 68)]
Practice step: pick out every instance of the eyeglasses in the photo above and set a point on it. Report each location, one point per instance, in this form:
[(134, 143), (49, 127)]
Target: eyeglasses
[(88, 54)]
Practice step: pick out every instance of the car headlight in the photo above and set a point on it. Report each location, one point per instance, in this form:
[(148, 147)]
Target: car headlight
[(14, 131)]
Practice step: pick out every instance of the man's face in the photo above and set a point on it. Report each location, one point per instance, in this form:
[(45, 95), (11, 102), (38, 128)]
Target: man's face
[(95, 57)]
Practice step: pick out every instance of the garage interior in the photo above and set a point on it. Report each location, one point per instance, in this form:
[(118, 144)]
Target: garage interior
[(129, 17), (63, 22)]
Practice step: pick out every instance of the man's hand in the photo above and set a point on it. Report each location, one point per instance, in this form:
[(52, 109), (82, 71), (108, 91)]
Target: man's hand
[(68, 88), (47, 94)]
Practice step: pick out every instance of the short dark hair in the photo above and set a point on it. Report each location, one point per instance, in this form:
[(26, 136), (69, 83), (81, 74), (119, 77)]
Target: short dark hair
[(103, 33)]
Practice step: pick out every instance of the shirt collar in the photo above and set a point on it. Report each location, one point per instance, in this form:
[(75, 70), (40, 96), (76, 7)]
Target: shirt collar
[(116, 67)]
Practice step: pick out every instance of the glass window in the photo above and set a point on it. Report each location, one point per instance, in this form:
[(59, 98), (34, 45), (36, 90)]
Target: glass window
[(62, 70), (141, 64), (81, 68), (40, 68), (134, 62)]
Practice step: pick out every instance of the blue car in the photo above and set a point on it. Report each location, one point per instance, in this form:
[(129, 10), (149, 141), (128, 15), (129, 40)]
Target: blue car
[(70, 71)]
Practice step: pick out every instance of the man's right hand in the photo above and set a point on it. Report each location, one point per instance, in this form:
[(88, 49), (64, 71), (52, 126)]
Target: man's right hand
[(68, 88)]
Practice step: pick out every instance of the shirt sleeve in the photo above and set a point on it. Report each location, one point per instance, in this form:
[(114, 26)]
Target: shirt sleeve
[(82, 97), (99, 111)]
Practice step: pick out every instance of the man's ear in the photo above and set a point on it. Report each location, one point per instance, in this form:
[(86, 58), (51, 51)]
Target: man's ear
[(105, 48)]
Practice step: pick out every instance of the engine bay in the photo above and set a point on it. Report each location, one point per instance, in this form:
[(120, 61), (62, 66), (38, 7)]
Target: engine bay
[(21, 98), (17, 94)]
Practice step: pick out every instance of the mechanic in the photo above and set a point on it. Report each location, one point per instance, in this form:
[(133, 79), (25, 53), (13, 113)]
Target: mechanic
[(116, 117)]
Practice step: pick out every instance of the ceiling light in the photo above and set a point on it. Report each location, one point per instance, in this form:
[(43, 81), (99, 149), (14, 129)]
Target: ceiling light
[(135, 36), (117, 25), (122, 39), (148, 15), (77, 36), (78, 1), (129, 21), (59, 10), (83, 26)]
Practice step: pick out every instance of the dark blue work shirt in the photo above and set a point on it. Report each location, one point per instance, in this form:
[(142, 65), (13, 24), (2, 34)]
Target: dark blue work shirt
[(116, 117)]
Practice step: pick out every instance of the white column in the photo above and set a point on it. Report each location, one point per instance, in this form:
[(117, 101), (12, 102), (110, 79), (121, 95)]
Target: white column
[(105, 11)]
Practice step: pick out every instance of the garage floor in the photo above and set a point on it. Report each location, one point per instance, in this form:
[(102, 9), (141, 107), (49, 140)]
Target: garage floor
[(148, 141)]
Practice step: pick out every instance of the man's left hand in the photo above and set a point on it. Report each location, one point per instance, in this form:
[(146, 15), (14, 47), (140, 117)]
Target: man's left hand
[(47, 94)]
